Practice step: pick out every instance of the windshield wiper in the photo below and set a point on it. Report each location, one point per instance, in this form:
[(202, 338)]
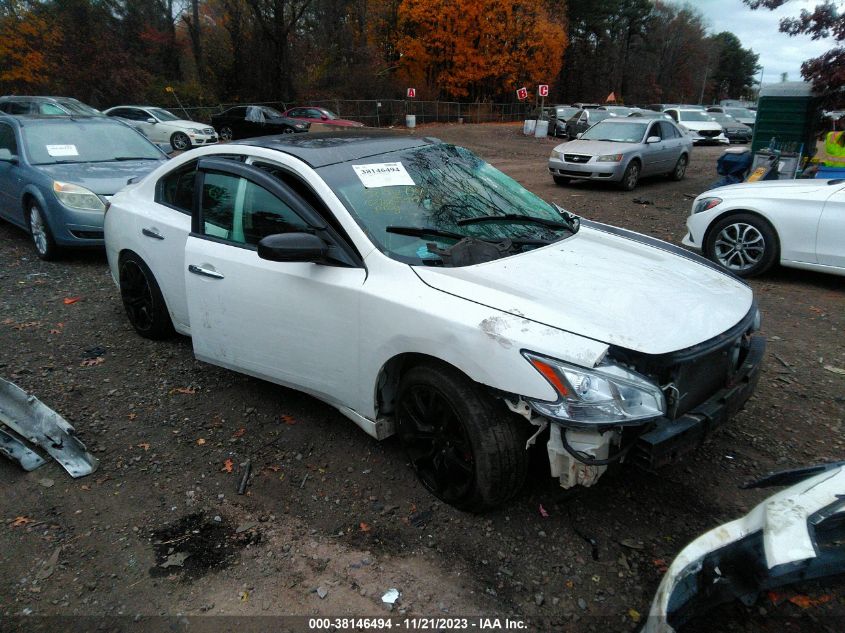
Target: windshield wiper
[(516, 217), (116, 158), (422, 231)]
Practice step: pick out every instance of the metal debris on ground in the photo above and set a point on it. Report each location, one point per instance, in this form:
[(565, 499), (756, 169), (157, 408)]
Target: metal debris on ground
[(27, 416), (322, 592), (391, 596), (245, 477), (14, 448)]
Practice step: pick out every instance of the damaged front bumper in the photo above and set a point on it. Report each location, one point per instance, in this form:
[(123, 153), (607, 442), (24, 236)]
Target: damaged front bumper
[(795, 535), (579, 456)]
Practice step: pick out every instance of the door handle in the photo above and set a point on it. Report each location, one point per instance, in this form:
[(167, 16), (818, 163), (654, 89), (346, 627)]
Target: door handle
[(152, 233), (205, 272)]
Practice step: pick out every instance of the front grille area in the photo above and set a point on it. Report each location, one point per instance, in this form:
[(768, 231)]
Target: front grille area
[(576, 158), (572, 172), (709, 133)]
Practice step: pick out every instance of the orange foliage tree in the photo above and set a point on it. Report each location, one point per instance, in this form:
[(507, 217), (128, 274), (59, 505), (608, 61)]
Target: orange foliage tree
[(478, 49), (26, 43)]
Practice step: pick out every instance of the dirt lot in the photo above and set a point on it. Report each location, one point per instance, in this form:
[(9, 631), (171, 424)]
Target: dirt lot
[(332, 519)]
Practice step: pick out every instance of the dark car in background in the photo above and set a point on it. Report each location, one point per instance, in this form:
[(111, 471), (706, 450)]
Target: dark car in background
[(583, 119), (735, 131), (47, 106), (247, 121), (320, 115), (558, 116), (57, 174)]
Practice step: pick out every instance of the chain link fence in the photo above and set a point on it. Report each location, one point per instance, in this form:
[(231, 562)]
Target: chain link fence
[(388, 112)]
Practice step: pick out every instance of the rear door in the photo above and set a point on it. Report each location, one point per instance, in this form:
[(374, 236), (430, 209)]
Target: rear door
[(11, 178), (830, 240), (294, 323)]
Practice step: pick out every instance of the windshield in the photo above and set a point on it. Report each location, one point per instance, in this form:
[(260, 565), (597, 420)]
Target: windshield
[(565, 113), (84, 142), (77, 107), (621, 132), (740, 112), (434, 187), (331, 115), (694, 115), (163, 115)]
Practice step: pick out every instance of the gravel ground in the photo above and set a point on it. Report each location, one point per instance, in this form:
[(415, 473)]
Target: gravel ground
[(331, 518)]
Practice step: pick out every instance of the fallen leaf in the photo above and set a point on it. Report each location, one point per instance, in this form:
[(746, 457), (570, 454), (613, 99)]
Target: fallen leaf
[(775, 597), (805, 602), (71, 300), (244, 596), (634, 615), (84, 487), (186, 390), (19, 521), (91, 362), (27, 325), (132, 416), (144, 445), (569, 584), (364, 527), (228, 465), (661, 565), (543, 512), (200, 441), (55, 331), (289, 420), (239, 432)]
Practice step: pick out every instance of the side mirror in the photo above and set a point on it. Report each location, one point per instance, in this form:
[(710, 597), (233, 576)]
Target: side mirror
[(292, 247), (6, 156), (151, 120), (579, 135), (653, 139), (324, 117)]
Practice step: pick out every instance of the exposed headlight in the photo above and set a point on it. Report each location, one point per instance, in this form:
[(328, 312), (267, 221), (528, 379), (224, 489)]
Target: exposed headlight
[(557, 154), (195, 130), (607, 394), (705, 204), (609, 158), (77, 197), (299, 125)]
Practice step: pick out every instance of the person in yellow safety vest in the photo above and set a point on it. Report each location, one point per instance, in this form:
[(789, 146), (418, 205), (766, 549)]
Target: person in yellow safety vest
[(834, 149)]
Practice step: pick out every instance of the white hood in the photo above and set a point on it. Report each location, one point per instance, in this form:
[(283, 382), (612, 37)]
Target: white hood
[(780, 189), (608, 288), (698, 126), (188, 124)]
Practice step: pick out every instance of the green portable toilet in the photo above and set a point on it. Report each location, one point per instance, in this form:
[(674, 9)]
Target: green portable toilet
[(787, 111)]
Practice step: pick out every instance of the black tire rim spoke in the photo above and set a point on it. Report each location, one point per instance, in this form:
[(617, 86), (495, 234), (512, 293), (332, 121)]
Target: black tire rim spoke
[(434, 439)]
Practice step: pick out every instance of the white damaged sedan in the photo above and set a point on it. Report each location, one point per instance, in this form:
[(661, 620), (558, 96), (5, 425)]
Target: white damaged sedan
[(422, 292)]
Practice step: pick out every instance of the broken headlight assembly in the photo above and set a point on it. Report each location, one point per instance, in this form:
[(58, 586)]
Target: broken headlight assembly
[(705, 204), (607, 394)]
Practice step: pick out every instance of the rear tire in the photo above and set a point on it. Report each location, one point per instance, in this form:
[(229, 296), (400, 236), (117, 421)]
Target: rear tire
[(142, 299), (464, 447), (226, 133), (680, 168)]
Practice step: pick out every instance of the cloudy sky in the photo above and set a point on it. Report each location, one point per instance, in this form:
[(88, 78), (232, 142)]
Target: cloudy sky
[(758, 30)]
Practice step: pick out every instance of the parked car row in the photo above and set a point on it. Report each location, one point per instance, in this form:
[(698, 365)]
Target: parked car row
[(717, 124)]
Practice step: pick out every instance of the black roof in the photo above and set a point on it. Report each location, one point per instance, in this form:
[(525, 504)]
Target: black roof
[(319, 149)]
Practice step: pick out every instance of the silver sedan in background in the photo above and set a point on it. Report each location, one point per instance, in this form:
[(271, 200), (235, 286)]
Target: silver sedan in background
[(621, 150)]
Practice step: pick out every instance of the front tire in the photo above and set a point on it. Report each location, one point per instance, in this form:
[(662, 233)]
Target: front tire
[(226, 133), (39, 230), (288, 130), (631, 176), (180, 142), (142, 299), (463, 446), (745, 244)]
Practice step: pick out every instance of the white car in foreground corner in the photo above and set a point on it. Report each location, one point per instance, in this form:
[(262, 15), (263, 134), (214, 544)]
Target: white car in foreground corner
[(747, 227), (422, 292)]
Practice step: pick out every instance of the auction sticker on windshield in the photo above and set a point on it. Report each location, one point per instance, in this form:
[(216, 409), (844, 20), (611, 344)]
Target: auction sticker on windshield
[(383, 175), (62, 150)]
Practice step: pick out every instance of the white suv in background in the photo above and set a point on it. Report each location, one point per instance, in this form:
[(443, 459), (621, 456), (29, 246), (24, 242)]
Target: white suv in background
[(162, 126), (700, 125)]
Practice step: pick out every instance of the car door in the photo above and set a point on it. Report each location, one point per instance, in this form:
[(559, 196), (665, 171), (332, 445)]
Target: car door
[(11, 177), (295, 323), (830, 240), (654, 153), (673, 142)]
